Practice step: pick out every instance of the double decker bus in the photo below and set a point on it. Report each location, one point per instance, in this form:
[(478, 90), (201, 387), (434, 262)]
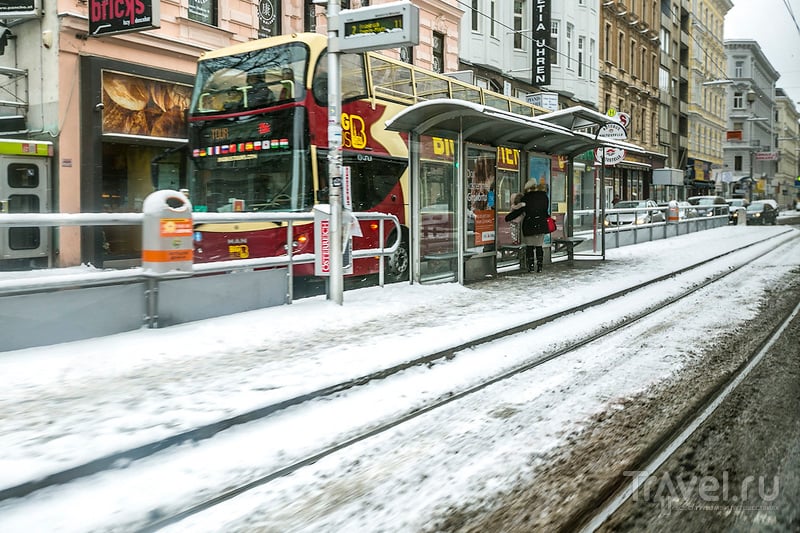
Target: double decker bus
[(259, 142)]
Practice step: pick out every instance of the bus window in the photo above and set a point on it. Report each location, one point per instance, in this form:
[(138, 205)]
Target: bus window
[(249, 79), (373, 181), (354, 81)]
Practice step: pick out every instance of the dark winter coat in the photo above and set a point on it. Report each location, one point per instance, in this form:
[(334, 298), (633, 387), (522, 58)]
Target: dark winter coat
[(536, 213)]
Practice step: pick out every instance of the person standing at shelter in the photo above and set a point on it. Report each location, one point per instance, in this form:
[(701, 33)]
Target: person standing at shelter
[(534, 223)]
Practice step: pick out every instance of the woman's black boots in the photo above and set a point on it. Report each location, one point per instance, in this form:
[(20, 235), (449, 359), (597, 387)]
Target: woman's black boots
[(529, 257), (539, 258)]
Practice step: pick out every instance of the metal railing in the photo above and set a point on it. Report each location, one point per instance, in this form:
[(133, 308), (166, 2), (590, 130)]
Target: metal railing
[(40, 309)]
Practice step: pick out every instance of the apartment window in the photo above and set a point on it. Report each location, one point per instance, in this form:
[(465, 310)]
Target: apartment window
[(738, 69), (581, 44), (632, 63), (491, 20), (738, 100), (737, 162), (665, 40), (607, 42), (205, 11), (653, 134), (581, 2), (438, 52), (663, 79), (592, 62), (607, 101), (570, 30), (621, 51), (475, 13), (519, 7), (643, 66), (554, 43)]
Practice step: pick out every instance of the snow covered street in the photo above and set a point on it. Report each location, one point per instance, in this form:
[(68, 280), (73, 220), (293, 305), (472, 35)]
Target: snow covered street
[(68, 404)]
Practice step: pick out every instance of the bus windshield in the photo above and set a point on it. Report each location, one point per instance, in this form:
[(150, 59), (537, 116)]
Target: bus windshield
[(250, 80), (256, 163)]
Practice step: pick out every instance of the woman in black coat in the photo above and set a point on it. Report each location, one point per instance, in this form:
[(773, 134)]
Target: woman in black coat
[(534, 223)]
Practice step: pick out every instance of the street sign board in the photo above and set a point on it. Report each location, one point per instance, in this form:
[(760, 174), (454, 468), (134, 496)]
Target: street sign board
[(378, 27), (613, 130), (106, 17), (612, 155)]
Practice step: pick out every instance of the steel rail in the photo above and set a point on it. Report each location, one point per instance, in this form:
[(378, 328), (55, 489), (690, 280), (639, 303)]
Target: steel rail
[(614, 496)]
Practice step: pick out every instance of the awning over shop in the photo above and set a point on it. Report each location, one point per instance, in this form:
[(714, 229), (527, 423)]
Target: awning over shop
[(548, 133)]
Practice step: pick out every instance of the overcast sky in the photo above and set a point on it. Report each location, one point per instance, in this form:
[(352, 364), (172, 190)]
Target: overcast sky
[(774, 24)]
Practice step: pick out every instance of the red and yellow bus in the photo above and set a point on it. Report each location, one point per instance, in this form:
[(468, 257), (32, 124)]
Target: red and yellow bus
[(259, 142)]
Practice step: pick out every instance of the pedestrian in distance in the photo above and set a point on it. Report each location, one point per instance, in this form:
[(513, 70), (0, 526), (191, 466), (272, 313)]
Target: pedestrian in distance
[(534, 223)]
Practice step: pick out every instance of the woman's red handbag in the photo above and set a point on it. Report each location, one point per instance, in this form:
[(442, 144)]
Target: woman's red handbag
[(551, 224)]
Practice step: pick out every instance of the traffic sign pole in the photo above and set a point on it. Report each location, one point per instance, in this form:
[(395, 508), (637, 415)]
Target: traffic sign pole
[(336, 279)]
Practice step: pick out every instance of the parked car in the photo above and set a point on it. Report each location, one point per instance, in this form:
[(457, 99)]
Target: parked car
[(709, 206), (685, 209), (774, 205), (647, 212), (734, 204), (761, 212)]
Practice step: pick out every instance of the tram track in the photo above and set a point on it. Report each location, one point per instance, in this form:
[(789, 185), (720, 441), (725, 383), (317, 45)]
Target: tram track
[(612, 497), (208, 431), (441, 402)]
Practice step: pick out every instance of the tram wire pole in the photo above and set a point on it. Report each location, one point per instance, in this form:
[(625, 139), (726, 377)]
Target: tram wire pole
[(335, 281)]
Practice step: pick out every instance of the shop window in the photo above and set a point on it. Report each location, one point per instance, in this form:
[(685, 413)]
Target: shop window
[(23, 176)]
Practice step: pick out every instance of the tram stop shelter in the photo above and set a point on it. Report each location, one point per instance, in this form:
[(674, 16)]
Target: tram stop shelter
[(467, 161)]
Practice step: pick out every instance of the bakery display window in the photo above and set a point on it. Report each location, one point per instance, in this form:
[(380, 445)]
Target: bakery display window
[(135, 105)]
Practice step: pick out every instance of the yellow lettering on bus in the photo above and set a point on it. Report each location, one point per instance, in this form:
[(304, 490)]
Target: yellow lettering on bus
[(354, 131)]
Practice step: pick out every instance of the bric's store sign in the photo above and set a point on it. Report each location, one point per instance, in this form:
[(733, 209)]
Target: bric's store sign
[(119, 16)]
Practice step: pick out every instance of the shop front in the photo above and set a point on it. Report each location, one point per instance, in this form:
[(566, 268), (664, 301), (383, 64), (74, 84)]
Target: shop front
[(136, 116)]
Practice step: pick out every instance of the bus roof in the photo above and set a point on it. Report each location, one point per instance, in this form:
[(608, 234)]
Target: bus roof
[(26, 147), (258, 44)]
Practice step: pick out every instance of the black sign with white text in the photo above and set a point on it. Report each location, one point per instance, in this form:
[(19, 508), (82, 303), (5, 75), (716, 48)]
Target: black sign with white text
[(117, 16), (541, 43), (20, 8)]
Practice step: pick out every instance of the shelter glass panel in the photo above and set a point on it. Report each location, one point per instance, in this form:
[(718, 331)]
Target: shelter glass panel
[(438, 199)]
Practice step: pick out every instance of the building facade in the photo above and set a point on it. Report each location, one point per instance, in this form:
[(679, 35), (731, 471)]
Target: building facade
[(787, 132), (707, 83), (628, 83), (499, 50), (749, 151)]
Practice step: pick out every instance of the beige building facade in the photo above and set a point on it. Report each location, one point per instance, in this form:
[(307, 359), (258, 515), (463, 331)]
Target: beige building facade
[(707, 113)]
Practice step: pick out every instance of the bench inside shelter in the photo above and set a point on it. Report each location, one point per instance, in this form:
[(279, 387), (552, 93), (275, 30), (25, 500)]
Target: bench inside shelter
[(567, 244)]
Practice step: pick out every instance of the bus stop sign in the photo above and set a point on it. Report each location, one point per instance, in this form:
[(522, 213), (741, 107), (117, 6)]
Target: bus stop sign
[(378, 27)]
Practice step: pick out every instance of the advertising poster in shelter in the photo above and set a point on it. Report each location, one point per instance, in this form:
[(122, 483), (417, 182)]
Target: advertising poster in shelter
[(480, 197)]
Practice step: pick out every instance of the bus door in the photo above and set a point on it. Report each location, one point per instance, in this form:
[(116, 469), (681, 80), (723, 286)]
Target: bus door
[(24, 188)]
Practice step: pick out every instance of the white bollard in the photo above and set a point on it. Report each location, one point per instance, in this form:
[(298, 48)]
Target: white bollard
[(167, 231)]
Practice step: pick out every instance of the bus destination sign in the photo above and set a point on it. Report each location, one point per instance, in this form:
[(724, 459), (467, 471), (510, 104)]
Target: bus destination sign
[(378, 27)]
